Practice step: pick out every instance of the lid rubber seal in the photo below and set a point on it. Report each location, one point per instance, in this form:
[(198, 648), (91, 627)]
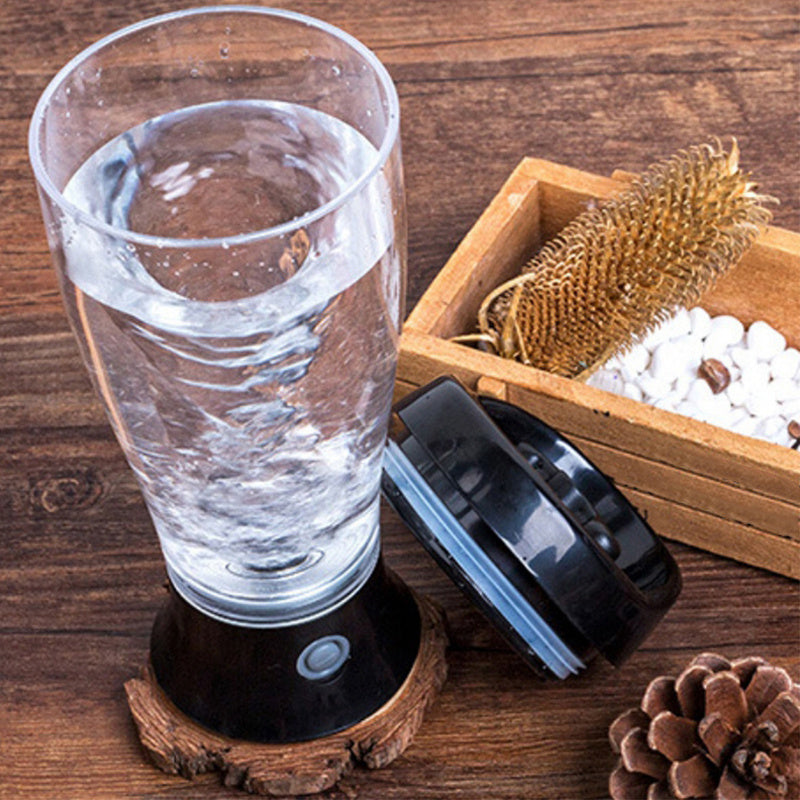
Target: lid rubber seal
[(443, 531)]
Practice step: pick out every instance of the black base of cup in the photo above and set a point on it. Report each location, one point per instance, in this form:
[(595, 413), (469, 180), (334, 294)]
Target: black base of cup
[(291, 683)]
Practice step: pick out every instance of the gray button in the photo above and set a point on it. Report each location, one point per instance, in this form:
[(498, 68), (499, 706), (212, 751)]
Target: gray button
[(323, 657)]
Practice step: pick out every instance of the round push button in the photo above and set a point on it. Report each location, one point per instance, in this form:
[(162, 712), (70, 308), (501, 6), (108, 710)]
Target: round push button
[(323, 657)]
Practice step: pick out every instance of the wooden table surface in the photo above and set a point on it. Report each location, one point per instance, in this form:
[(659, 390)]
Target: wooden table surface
[(596, 84)]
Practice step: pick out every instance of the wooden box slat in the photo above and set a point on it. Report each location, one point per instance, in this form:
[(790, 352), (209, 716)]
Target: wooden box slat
[(727, 493)]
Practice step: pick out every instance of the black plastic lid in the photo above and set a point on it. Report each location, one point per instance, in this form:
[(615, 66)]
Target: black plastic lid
[(542, 541)]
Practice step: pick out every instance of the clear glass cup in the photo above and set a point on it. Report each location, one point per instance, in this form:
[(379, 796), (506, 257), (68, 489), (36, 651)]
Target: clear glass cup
[(222, 194)]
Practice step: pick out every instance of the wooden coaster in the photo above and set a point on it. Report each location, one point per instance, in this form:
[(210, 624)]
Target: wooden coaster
[(180, 746)]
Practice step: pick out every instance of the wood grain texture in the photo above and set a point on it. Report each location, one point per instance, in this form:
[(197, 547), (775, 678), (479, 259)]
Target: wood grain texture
[(596, 84)]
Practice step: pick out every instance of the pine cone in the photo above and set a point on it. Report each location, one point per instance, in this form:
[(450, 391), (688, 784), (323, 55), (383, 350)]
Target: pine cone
[(721, 729)]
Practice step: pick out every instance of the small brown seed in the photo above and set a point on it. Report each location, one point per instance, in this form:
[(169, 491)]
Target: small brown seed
[(715, 374), (794, 431)]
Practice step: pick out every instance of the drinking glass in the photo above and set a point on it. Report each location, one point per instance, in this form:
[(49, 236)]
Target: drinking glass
[(223, 198)]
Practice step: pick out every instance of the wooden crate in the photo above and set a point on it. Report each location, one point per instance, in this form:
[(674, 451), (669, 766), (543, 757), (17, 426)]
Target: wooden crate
[(696, 483)]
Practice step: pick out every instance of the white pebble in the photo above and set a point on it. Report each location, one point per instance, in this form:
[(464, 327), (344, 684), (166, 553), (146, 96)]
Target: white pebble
[(719, 407), (755, 378), (653, 388), (715, 344), (737, 414), (682, 383), (735, 372), (700, 394), (627, 373), (637, 359), (667, 362), (791, 409), (727, 328), (784, 389), (675, 398), (746, 426), (688, 409), (701, 322), (761, 405), (665, 403), (691, 349), (680, 324), (633, 391), (785, 364), (764, 340), (633, 364), (737, 394), (771, 427), (742, 357)]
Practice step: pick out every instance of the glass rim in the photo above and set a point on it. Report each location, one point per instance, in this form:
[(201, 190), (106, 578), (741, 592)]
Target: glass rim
[(45, 182)]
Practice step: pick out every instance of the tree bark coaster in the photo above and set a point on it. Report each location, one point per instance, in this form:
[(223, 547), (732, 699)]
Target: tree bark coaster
[(180, 746)]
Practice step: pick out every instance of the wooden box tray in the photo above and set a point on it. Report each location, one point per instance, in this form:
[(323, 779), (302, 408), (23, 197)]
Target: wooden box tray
[(696, 483)]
